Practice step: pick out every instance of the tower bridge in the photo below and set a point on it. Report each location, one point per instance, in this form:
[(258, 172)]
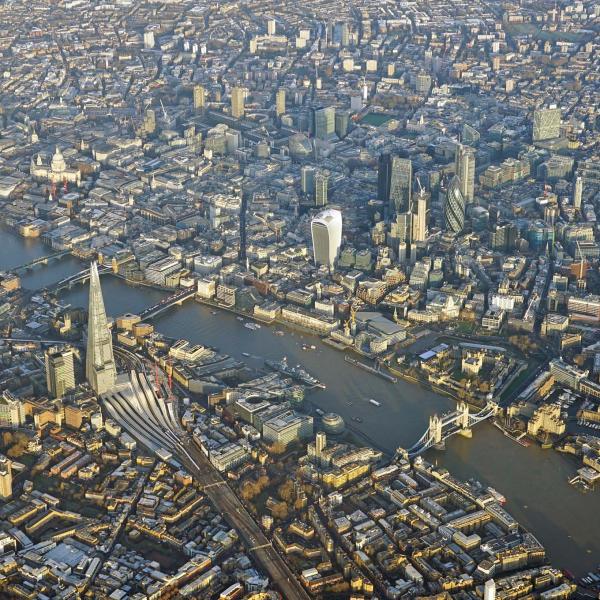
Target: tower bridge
[(442, 427)]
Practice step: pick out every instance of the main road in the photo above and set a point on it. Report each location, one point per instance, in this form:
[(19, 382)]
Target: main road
[(224, 500)]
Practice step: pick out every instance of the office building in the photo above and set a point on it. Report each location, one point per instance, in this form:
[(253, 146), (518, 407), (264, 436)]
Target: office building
[(149, 41), (401, 236), (464, 168), (546, 124), (419, 222), (540, 235), (271, 27), (584, 307), (100, 368), (307, 179), (280, 102), (287, 428), (326, 229), (489, 590), (321, 187), (324, 122), (454, 207), (504, 237), (320, 443), (394, 182), (577, 192), (344, 34), (342, 123), (199, 97), (237, 102), (400, 184), (383, 177), (5, 477), (423, 83), (60, 371), (11, 411)]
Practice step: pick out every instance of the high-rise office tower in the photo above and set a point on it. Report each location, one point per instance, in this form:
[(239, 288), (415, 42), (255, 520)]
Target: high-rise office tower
[(307, 179), (320, 443), (326, 230), (464, 168), (321, 187), (383, 177), (100, 368), (280, 102), (271, 26), (5, 477), (394, 182), (324, 122), (546, 124), (577, 192), (400, 184), (423, 83), (342, 123), (419, 230), (237, 102), (199, 97), (454, 207), (504, 237), (11, 411), (60, 371), (401, 236), (344, 34), (149, 41)]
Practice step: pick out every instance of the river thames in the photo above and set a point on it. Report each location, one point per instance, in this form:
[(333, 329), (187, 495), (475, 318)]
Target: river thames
[(533, 480)]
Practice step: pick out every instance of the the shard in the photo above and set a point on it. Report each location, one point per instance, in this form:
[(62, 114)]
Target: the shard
[(100, 368)]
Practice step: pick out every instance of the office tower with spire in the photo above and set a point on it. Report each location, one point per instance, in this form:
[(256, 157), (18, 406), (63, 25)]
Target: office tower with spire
[(100, 368), (454, 207), (237, 102), (464, 168), (60, 371)]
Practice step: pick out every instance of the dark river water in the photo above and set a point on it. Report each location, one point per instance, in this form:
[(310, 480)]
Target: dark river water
[(533, 480)]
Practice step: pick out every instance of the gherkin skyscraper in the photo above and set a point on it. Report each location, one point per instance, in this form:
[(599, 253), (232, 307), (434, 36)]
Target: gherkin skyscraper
[(100, 369)]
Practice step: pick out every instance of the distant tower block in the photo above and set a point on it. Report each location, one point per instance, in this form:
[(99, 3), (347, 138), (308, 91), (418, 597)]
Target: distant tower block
[(578, 192), (199, 97), (237, 102), (280, 102)]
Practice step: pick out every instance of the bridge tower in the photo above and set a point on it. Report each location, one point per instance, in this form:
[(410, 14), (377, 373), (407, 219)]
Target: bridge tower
[(435, 429), (462, 419)]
